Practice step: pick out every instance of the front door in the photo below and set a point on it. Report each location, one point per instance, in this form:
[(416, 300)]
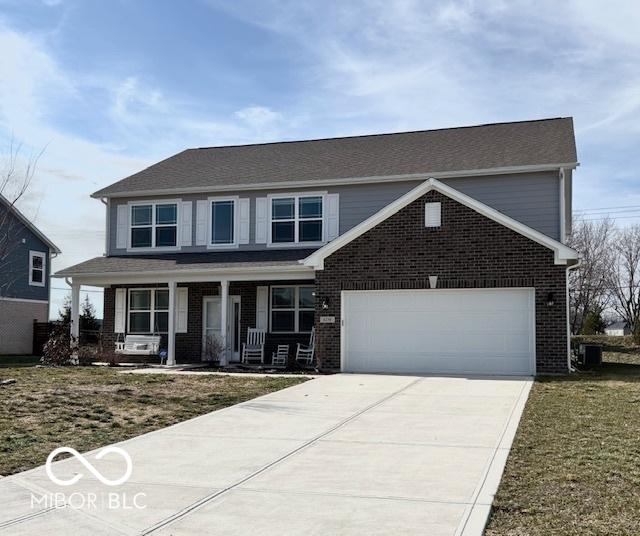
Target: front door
[(211, 326)]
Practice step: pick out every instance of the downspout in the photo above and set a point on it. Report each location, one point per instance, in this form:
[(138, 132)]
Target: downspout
[(563, 208), (107, 203), (52, 255), (572, 267)]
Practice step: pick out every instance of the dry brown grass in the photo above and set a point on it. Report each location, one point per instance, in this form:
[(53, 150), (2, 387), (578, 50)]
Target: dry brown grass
[(88, 407), (574, 467)]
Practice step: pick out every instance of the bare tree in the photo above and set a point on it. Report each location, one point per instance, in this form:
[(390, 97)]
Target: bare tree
[(588, 283), (16, 175), (624, 277)]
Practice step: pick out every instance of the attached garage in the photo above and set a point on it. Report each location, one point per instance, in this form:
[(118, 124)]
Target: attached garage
[(439, 331)]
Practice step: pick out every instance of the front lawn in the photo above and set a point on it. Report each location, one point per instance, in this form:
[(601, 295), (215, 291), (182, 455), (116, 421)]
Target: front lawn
[(574, 468), (87, 407)]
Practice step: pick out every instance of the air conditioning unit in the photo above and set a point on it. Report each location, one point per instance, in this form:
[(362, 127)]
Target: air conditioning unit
[(590, 355)]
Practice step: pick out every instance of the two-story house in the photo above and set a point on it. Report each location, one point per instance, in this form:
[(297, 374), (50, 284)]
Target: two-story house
[(438, 251), (25, 262)]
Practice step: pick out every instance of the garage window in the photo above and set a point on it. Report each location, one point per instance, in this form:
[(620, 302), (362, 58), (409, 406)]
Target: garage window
[(292, 309)]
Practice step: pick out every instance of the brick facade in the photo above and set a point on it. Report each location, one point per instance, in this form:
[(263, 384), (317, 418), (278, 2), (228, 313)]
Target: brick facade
[(467, 251), (189, 345)]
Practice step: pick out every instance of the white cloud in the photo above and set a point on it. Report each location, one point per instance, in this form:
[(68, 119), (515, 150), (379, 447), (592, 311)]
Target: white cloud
[(130, 101), (257, 116)]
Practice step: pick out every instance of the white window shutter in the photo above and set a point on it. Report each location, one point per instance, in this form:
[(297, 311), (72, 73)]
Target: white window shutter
[(432, 214), (122, 226), (332, 216), (262, 207), (243, 220), (185, 223), (262, 308), (120, 310), (201, 223), (182, 309)]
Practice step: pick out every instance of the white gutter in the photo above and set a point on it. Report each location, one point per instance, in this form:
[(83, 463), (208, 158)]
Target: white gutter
[(563, 208), (341, 181)]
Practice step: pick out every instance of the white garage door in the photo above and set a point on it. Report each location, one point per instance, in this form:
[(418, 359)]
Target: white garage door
[(466, 331)]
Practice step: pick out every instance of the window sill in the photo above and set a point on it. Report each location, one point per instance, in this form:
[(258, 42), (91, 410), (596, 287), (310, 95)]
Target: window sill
[(295, 244), (35, 284), (153, 250), (223, 246)]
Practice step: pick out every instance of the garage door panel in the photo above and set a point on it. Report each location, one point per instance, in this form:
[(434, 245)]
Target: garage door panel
[(473, 331)]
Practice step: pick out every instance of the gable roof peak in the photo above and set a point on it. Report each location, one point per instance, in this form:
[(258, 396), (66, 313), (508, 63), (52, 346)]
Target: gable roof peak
[(562, 254)]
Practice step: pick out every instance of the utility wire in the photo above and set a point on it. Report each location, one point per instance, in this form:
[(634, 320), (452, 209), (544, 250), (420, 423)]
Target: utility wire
[(606, 208), (82, 290), (610, 218)]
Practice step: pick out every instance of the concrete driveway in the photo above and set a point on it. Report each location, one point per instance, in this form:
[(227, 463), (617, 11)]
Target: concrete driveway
[(343, 454)]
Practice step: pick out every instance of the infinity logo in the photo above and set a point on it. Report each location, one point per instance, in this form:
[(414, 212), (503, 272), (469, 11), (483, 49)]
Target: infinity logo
[(90, 468)]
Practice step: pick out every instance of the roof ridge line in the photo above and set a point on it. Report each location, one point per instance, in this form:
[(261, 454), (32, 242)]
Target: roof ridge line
[(379, 134)]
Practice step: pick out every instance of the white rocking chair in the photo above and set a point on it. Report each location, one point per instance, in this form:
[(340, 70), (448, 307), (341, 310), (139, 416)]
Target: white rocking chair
[(304, 354), (280, 356), (253, 349)]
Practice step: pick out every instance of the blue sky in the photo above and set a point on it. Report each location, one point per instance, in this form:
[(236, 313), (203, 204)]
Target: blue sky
[(111, 87)]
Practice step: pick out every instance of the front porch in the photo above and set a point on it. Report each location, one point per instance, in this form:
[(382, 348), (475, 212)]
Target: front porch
[(186, 316)]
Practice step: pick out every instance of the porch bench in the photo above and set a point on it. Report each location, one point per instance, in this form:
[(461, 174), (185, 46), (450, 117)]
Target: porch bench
[(139, 345)]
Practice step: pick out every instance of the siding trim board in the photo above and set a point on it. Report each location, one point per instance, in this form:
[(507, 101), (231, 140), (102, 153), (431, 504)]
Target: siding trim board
[(2, 298)]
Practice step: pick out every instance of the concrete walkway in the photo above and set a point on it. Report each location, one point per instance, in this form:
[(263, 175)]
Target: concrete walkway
[(343, 454)]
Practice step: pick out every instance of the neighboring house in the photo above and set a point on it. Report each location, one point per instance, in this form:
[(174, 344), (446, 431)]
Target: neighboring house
[(25, 261), (617, 329), (437, 251)]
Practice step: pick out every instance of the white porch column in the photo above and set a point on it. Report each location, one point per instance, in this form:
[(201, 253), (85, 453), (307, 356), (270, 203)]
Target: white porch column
[(171, 334), (75, 321), (224, 321)]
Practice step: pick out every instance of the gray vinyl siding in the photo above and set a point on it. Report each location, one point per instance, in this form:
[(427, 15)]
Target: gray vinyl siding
[(14, 269), (531, 198)]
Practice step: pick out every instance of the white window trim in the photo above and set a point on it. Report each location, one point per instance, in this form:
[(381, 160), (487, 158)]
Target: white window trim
[(152, 311), (296, 309), (43, 256), (153, 203), (236, 230), (296, 243)]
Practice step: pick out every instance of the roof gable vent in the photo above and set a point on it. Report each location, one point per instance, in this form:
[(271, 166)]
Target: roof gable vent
[(432, 214)]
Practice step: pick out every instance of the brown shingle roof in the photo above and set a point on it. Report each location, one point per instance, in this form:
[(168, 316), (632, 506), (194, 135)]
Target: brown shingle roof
[(498, 145)]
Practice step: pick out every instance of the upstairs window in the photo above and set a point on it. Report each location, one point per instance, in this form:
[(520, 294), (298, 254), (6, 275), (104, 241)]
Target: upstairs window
[(154, 225), (296, 219), (223, 222), (37, 266)]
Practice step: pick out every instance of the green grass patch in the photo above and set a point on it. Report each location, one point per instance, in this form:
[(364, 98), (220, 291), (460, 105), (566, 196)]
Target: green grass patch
[(88, 407), (574, 468)]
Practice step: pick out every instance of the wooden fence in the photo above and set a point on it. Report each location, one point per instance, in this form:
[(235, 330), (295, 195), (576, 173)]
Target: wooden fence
[(42, 331)]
